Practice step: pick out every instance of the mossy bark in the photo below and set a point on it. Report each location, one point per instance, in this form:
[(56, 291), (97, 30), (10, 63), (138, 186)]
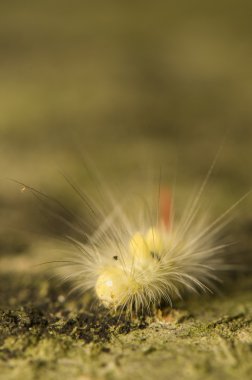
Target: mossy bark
[(43, 335)]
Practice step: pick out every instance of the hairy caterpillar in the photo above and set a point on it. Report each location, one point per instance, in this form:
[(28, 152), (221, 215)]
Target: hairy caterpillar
[(133, 264)]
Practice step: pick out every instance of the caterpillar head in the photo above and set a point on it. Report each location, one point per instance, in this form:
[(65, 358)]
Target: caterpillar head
[(117, 284)]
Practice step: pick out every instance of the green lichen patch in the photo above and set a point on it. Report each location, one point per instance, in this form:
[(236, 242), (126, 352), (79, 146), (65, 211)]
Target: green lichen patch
[(46, 333)]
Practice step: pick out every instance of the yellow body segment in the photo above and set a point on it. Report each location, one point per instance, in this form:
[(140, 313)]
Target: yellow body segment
[(116, 283), (139, 248), (144, 247), (113, 285)]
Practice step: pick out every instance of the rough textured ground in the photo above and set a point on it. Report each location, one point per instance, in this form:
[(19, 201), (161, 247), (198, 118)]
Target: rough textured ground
[(45, 334), (134, 85)]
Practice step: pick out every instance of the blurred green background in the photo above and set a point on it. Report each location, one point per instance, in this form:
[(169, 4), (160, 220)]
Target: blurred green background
[(135, 86)]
